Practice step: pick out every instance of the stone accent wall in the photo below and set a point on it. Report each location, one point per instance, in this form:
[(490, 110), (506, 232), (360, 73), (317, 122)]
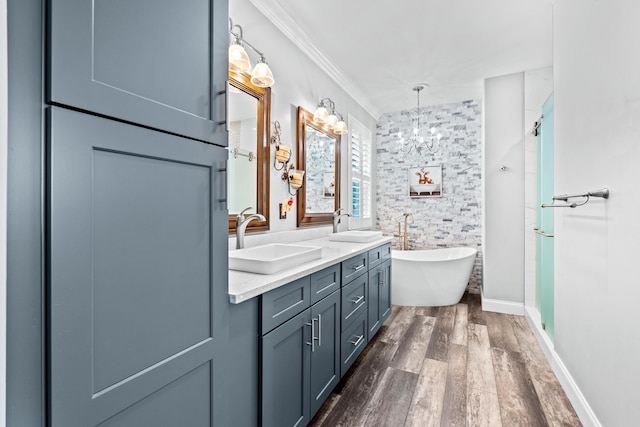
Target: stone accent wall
[(455, 219)]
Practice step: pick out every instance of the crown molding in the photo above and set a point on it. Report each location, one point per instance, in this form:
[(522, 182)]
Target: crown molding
[(281, 19)]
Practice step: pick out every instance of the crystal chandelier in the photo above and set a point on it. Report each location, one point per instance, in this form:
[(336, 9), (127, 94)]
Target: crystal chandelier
[(416, 138)]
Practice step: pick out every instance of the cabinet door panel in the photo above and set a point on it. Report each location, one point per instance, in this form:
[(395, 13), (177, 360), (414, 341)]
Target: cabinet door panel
[(325, 357), (379, 297), (385, 292), (285, 373), (325, 282), (374, 314), (354, 300), (354, 340), (354, 267), (158, 63), (134, 222), (281, 304)]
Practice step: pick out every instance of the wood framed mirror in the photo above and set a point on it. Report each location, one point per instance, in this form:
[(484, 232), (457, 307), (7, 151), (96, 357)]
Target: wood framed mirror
[(319, 156), (248, 167)]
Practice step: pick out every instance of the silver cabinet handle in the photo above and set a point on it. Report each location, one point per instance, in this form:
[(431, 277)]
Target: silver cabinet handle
[(225, 92), (358, 341), (359, 267), (542, 233), (225, 199), (358, 299), (313, 337), (319, 330)]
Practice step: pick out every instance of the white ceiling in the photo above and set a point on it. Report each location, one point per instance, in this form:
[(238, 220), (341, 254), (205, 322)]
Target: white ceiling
[(379, 50)]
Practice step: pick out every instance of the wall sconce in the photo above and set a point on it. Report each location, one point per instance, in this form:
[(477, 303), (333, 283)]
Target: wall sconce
[(294, 177), (326, 114), (239, 61), (283, 152)]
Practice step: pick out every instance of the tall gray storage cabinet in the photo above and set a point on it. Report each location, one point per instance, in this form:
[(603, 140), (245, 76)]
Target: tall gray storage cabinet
[(136, 214)]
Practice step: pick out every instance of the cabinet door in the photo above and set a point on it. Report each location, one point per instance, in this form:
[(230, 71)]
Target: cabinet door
[(285, 373), (379, 297), (385, 293), (137, 273), (325, 354), (157, 63)]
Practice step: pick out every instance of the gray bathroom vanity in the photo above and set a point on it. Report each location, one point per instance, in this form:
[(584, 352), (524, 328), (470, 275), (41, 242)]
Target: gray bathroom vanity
[(313, 323)]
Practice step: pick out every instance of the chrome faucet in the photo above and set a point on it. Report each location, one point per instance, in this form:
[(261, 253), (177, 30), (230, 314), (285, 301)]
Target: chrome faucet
[(336, 219), (241, 226)]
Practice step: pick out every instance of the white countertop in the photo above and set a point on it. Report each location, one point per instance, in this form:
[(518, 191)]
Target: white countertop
[(244, 286)]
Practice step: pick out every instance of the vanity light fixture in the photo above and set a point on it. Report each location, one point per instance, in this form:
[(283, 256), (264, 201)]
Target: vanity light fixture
[(326, 115), (416, 137), (239, 61), (341, 127)]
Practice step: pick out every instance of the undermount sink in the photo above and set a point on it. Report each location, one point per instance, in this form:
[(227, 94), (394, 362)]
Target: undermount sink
[(355, 236), (272, 258)]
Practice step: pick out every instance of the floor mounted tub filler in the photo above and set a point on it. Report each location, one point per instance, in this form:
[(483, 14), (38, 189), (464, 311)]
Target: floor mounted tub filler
[(431, 277)]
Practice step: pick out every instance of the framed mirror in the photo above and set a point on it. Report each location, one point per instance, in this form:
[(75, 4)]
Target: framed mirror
[(319, 156), (248, 119)]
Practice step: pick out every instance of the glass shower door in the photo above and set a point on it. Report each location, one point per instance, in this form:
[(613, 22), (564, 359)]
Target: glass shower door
[(544, 220)]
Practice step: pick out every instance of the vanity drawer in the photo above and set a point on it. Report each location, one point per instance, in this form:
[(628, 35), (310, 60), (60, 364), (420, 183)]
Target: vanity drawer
[(281, 304), (354, 340), (379, 254), (354, 267), (354, 300), (324, 282)]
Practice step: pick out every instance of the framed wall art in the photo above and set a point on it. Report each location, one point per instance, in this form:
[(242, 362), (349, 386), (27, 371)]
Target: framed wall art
[(425, 181)]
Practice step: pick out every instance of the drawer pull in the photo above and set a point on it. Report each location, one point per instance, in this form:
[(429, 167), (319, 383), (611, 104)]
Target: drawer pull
[(358, 299), (359, 267), (358, 341)]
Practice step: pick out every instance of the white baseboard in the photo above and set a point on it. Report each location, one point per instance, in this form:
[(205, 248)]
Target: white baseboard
[(499, 306), (577, 399)]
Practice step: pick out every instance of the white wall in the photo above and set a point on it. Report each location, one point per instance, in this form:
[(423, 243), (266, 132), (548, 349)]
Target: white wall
[(3, 206), (504, 191), (597, 144), (298, 81)]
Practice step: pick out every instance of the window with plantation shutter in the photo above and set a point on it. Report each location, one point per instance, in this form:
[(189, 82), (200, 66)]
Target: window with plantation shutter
[(360, 174)]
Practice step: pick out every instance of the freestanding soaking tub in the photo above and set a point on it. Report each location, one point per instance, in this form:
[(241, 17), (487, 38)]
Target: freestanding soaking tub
[(431, 277)]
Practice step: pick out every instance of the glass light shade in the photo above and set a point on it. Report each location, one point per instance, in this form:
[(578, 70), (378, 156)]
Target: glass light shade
[(340, 128), (238, 59), (262, 75), (296, 178), (283, 154), (331, 120), (321, 114)]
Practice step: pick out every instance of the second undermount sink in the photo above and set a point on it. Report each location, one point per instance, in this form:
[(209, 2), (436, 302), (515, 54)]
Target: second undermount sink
[(272, 258), (356, 236)]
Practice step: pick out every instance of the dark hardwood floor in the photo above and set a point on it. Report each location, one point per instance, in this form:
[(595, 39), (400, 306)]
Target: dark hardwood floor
[(450, 366)]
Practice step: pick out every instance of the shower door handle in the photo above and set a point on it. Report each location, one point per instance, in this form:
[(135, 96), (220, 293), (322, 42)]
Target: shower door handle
[(542, 233)]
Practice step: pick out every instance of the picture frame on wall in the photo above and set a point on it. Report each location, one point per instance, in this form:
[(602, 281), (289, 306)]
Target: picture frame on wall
[(425, 181)]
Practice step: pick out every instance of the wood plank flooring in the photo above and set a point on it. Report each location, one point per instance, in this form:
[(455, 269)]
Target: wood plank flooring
[(449, 366)]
